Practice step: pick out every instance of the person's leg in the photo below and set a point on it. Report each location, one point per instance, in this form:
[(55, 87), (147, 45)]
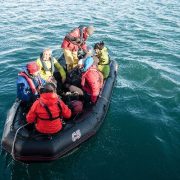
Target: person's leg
[(105, 69), (58, 81), (69, 59), (75, 58), (76, 89), (87, 100)]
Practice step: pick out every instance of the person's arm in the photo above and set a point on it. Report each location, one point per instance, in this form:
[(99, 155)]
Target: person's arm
[(104, 56), (43, 81), (95, 85), (66, 112), (84, 47), (31, 116), (23, 89), (61, 70), (101, 79), (94, 91), (72, 39)]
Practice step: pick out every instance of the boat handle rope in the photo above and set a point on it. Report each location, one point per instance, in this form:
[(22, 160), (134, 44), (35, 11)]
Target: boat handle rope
[(104, 98), (13, 145)]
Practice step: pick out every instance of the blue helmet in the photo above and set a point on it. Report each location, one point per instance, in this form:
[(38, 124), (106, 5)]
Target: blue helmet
[(88, 63)]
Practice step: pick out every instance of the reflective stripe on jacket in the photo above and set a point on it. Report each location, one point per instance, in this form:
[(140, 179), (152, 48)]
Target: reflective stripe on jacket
[(40, 116)]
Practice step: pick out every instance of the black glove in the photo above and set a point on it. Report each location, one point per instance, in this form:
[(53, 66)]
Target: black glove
[(71, 107), (68, 102)]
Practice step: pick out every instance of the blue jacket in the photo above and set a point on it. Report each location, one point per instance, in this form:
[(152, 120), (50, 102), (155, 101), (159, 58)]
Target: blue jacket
[(24, 91)]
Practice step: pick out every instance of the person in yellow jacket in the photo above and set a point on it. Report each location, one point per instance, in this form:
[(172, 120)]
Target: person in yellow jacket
[(103, 56), (47, 65)]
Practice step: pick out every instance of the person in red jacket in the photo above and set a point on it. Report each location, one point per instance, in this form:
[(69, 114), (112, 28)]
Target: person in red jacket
[(92, 79), (74, 41), (47, 111)]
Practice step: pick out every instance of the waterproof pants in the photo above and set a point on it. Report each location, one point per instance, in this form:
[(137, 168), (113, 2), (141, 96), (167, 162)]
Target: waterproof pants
[(71, 59), (105, 69)]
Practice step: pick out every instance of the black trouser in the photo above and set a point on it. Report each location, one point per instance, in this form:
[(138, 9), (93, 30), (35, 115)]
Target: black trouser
[(58, 78)]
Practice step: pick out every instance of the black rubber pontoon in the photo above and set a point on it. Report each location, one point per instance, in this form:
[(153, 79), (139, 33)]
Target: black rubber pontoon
[(26, 145)]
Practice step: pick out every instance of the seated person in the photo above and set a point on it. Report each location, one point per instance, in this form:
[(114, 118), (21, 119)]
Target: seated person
[(73, 80), (47, 65), (29, 82), (48, 110), (92, 80), (72, 86), (74, 77), (103, 56)]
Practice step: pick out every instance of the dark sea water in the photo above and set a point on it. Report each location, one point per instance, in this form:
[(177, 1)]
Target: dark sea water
[(140, 137)]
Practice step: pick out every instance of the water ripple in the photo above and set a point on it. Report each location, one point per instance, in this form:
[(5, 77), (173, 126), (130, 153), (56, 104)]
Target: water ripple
[(142, 124)]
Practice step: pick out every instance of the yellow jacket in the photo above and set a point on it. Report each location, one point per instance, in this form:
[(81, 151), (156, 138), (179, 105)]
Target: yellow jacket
[(103, 56), (47, 74)]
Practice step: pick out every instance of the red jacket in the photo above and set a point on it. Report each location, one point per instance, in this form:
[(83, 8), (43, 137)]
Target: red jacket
[(92, 81), (38, 113), (67, 44)]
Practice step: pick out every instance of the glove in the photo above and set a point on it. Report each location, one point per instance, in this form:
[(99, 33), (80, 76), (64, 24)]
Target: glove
[(70, 106)]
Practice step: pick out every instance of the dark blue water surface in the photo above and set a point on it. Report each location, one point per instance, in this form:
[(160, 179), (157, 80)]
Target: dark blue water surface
[(140, 138)]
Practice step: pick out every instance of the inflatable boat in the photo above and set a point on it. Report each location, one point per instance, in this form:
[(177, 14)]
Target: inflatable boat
[(25, 144)]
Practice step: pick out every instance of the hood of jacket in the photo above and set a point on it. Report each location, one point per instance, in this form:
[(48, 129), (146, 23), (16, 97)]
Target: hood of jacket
[(49, 98)]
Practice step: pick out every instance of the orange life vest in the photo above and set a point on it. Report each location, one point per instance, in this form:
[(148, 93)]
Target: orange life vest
[(80, 32)]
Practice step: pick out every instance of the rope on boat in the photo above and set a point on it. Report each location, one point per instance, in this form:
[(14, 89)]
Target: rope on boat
[(104, 98), (13, 145)]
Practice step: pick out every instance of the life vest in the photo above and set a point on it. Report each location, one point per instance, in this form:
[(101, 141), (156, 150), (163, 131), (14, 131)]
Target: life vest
[(103, 56), (84, 75), (45, 68), (30, 82), (51, 118), (79, 32), (81, 29)]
